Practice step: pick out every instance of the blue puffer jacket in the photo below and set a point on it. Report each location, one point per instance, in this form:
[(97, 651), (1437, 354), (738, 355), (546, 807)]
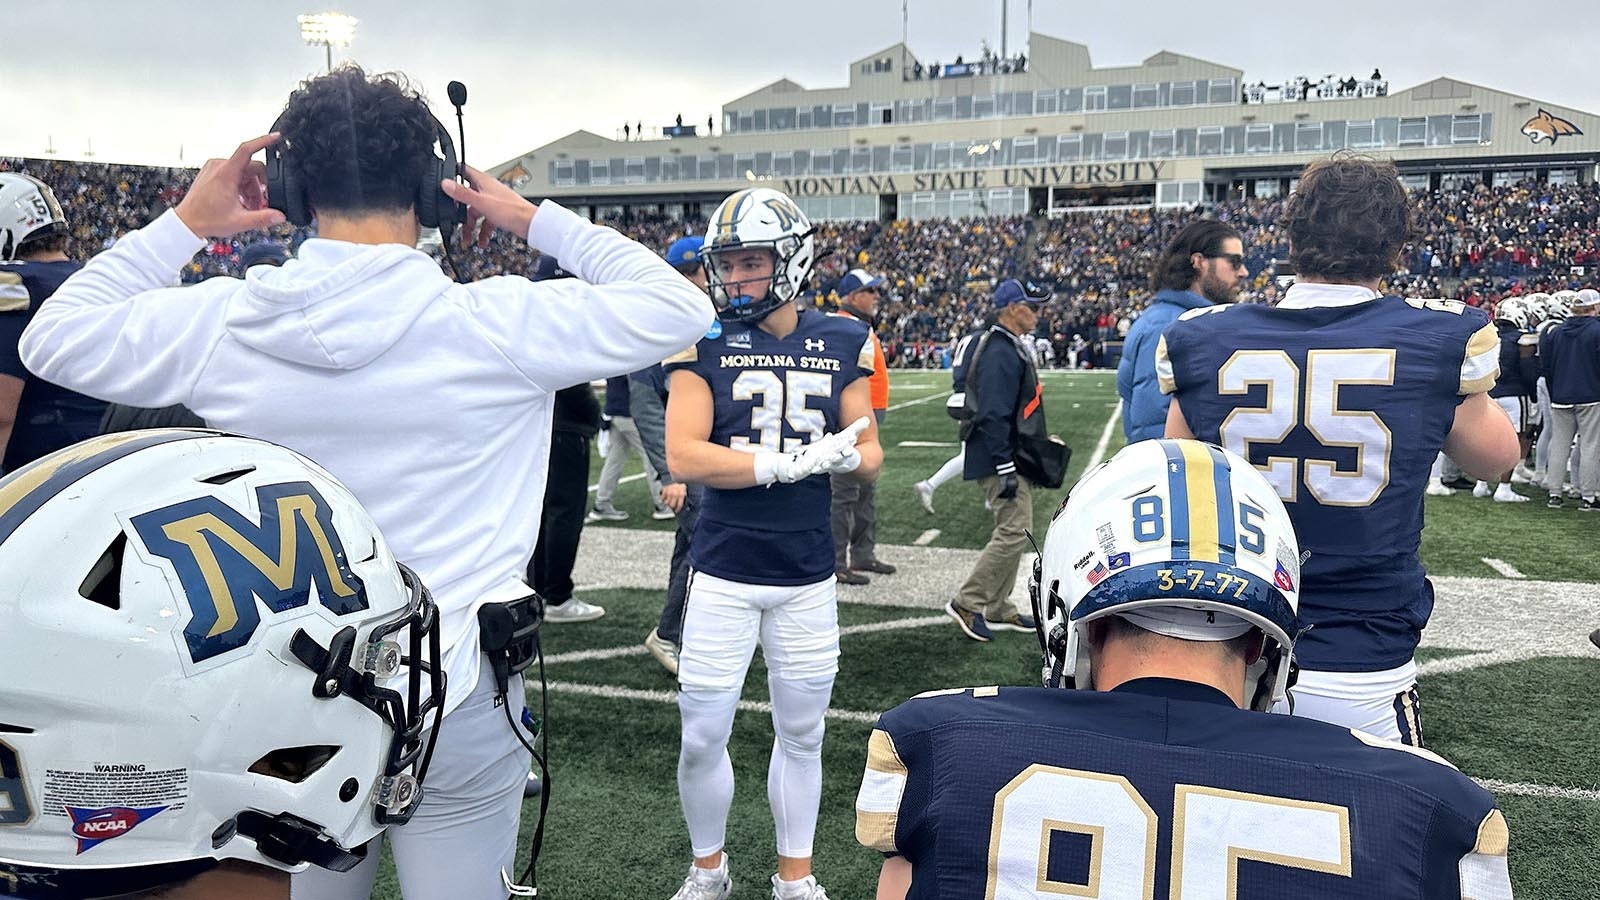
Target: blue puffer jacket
[(1144, 407)]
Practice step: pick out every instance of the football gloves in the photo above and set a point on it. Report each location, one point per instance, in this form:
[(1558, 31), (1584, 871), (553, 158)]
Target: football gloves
[(832, 454)]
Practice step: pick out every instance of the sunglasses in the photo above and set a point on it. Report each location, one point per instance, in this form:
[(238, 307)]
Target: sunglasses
[(1234, 259)]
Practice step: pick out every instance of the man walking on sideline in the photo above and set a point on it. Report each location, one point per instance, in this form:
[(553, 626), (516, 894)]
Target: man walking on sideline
[(855, 513)]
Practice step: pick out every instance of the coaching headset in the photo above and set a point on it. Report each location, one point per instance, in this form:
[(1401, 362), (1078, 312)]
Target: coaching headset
[(435, 209)]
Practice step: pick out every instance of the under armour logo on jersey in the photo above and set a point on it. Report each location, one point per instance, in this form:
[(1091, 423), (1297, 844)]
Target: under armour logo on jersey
[(815, 345)]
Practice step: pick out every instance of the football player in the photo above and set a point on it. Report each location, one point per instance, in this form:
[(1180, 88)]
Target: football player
[(956, 406), (1170, 575), (1516, 387), (1343, 398), (1558, 308), (772, 401), (213, 672), (36, 416)]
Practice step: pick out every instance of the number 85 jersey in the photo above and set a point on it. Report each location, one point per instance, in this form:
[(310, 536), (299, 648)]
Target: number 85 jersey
[(773, 394), (1342, 399)]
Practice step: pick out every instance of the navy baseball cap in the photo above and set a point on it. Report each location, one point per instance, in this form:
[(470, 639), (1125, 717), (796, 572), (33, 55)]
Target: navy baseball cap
[(857, 280), (1012, 291), (685, 251), (547, 269), (263, 253)]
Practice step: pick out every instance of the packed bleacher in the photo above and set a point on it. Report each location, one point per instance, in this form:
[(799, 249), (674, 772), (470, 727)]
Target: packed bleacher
[(1477, 244)]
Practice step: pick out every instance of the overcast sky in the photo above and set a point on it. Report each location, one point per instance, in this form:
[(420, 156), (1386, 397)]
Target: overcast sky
[(137, 81)]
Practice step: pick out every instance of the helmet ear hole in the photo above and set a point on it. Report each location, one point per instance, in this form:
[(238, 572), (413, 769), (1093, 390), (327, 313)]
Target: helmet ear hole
[(294, 764), (103, 584)]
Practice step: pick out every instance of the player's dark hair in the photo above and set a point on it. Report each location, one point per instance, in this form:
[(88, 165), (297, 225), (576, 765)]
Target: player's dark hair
[(1174, 270), (358, 144), (55, 243), (1348, 219)]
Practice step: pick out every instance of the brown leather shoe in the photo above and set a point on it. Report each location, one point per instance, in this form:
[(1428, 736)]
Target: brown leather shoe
[(847, 577), (875, 566)]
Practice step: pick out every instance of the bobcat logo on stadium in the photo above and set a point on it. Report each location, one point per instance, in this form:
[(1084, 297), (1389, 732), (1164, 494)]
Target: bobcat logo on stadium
[(1545, 127), (226, 563)]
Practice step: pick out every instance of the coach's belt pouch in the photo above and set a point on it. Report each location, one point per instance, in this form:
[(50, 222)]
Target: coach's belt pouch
[(509, 635)]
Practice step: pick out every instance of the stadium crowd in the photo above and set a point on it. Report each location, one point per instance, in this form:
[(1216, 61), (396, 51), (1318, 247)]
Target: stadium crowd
[(1477, 244)]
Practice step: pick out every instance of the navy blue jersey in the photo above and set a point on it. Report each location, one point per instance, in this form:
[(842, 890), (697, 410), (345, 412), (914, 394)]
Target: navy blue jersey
[(1343, 408), (960, 355), (1519, 364), (49, 417), (772, 394), (1164, 788)]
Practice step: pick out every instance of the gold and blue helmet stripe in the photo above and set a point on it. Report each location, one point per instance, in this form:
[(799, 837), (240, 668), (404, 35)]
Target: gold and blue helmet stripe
[(1200, 493)]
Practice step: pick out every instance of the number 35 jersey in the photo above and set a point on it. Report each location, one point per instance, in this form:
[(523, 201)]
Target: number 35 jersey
[(772, 394), (1342, 399), (1164, 789)]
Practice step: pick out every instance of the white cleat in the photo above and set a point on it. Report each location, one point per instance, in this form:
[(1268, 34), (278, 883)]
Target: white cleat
[(665, 651), (924, 495), (1481, 490), (706, 884), (1506, 495), (573, 610), (1524, 475), (1435, 489), (804, 889)]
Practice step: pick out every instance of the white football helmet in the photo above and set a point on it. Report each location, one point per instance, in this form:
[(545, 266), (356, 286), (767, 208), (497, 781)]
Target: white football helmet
[(1514, 311), (762, 219), (209, 653), (1181, 538), (28, 211), (1561, 303), (1538, 307)]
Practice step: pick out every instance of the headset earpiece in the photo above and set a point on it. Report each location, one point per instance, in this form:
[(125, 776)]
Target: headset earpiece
[(285, 193)]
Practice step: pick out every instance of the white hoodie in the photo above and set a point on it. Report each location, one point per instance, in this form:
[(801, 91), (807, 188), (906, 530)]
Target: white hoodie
[(430, 400)]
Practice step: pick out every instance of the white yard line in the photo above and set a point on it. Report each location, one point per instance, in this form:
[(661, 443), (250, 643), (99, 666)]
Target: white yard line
[(917, 402), (926, 538), (1105, 438), (929, 444), (1503, 567), (639, 650), (623, 480)]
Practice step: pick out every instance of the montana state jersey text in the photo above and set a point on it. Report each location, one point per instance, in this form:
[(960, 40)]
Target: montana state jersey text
[(772, 394)]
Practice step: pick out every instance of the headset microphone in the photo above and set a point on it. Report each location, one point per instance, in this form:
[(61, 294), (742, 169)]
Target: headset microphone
[(457, 92), (458, 98)]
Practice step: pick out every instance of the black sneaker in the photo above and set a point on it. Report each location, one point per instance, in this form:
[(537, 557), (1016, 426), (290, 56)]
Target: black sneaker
[(1461, 484), (1554, 502), (845, 576), (1589, 505)]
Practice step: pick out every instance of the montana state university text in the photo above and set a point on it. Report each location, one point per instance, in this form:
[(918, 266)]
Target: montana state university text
[(1031, 176)]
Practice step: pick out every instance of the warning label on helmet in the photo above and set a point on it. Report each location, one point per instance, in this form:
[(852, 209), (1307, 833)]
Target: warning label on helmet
[(97, 785)]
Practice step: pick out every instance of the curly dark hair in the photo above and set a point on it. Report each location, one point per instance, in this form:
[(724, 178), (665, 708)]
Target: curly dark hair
[(357, 143), (1174, 271), (1348, 219)]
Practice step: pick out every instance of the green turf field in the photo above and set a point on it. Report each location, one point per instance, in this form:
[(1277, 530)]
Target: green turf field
[(1505, 675)]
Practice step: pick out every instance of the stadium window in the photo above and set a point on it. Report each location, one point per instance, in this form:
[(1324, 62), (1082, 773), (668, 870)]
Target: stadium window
[(1038, 103), (900, 158), (561, 172), (1069, 147), (1509, 177), (1563, 176), (941, 155), (1208, 140), (1307, 137), (1267, 187), (983, 106), (1091, 146), (1023, 150), (802, 118), (802, 162), (1360, 135), (880, 158), (1190, 194), (1413, 131), (1114, 145), (961, 204), (1416, 181), (725, 169), (1094, 98), (747, 123), (860, 160), (764, 162), (1187, 141), (744, 162), (1233, 140), (822, 162), (708, 168), (1283, 137), (760, 120), (864, 114), (781, 119), (822, 116), (1071, 100), (1258, 138), (944, 109), (923, 157), (580, 172), (1119, 96), (1333, 134), (652, 168), (1466, 129), (841, 160), (669, 168), (1223, 91), (844, 117), (882, 114), (783, 165), (599, 172), (1183, 93), (1162, 143), (964, 107), (1167, 193), (633, 170), (1145, 96)]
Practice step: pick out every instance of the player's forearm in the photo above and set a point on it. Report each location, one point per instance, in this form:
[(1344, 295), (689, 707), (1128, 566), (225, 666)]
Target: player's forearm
[(712, 465), (871, 461)]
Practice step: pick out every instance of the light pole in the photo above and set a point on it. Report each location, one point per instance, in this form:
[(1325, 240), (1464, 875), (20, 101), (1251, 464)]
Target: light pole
[(329, 30)]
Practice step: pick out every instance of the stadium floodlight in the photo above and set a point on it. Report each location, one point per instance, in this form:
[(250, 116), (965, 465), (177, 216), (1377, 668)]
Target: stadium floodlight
[(328, 29)]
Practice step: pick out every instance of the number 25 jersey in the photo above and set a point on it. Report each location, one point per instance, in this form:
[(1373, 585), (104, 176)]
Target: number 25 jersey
[(773, 394), (1342, 399)]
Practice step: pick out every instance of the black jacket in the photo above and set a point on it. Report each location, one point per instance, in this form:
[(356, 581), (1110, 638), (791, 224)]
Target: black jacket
[(577, 410), (1003, 401)]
